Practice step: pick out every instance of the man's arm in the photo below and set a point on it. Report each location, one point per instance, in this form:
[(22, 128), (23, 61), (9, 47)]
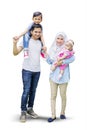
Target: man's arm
[(16, 50), (24, 32), (42, 39), (20, 35)]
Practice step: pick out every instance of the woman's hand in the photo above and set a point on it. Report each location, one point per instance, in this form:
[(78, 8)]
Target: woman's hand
[(59, 62)]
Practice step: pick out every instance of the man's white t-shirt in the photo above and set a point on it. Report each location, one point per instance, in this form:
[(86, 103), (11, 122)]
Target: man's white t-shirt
[(32, 63)]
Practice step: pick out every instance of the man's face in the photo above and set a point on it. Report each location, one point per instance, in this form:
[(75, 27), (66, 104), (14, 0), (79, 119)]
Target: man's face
[(36, 33)]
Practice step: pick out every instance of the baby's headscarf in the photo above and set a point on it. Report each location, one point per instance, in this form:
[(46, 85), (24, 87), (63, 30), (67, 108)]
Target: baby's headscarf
[(55, 47)]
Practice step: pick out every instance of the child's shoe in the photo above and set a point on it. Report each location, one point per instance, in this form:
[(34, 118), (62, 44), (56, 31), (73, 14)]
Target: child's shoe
[(26, 53), (43, 53)]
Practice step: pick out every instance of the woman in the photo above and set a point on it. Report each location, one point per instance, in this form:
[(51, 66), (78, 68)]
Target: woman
[(57, 45)]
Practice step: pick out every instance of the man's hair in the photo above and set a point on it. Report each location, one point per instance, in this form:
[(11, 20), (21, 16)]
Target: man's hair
[(35, 14), (35, 26)]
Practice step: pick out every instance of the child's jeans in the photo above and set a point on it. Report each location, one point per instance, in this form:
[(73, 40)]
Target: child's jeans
[(26, 38)]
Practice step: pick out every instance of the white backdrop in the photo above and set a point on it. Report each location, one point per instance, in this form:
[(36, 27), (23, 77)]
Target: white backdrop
[(58, 15)]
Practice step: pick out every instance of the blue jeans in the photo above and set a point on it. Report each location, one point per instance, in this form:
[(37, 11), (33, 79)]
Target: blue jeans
[(30, 82)]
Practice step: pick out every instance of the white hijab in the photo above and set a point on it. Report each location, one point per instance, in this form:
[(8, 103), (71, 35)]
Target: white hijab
[(54, 47)]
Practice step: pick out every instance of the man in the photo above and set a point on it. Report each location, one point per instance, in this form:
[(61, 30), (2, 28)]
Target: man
[(30, 71)]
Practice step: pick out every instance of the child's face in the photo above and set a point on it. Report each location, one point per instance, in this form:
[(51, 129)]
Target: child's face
[(69, 45), (37, 19), (60, 40)]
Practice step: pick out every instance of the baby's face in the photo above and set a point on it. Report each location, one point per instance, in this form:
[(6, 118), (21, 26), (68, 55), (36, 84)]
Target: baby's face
[(69, 45)]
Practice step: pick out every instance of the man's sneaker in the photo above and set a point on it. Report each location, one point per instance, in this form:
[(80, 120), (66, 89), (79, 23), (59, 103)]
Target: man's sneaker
[(23, 116), (32, 113)]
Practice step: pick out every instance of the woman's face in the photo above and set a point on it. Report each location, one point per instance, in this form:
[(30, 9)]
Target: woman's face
[(60, 40)]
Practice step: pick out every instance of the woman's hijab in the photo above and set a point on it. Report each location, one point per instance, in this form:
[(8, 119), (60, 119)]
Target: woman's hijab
[(55, 47)]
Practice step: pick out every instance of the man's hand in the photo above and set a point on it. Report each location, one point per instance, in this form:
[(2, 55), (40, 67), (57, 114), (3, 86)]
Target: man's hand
[(44, 48), (15, 40)]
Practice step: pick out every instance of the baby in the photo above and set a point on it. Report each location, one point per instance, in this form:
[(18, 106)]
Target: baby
[(66, 52)]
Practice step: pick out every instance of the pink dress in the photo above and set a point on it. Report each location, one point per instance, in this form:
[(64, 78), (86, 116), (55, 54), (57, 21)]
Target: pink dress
[(60, 55)]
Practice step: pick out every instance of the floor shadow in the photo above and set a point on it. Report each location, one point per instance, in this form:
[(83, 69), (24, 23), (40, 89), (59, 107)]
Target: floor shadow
[(40, 118), (16, 118)]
